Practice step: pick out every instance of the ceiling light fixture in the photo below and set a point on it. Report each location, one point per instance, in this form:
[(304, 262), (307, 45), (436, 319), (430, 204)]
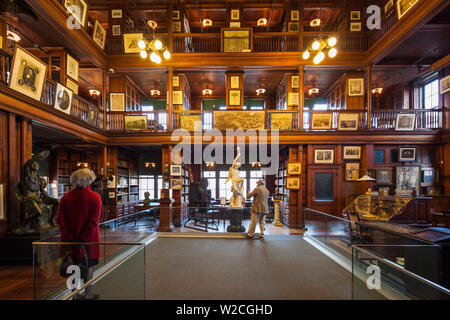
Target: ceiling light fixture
[(315, 23), (154, 48), (11, 35), (155, 92), (313, 91), (377, 91), (260, 91), (262, 22), (207, 92), (322, 46), (207, 22), (94, 93)]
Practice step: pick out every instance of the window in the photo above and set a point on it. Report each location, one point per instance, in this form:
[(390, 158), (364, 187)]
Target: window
[(225, 188), (379, 156), (254, 177), (431, 94), (211, 176), (151, 184), (207, 120)]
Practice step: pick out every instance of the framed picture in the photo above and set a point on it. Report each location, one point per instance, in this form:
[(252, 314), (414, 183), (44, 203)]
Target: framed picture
[(116, 13), (323, 156), (72, 67), (117, 101), (355, 15), (63, 99), (293, 183), (403, 6), (384, 191), (295, 81), (175, 81), (92, 116), (136, 123), (177, 97), (348, 121), (388, 6), (176, 15), (78, 9), (236, 40), (383, 177), (355, 87), (72, 85), (234, 98), (408, 178), (352, 152), (321, 121), (405, 122), (2, 203), (235, 24), (99, 34), (130, 42), (116, 30), (28, 74), (434, 191), (295, 15), (445, 84), (407, 154), (111, 184), (429, 177), (111, 195), (351, 171), (294, 168), (293, 99), (176, 184), (293, 27), (234, 82), (234, 14), (177, 26), (355, 26), (175, 170)]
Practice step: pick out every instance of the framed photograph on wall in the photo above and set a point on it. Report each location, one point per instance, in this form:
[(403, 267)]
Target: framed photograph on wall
[(434, 191), (405, 122), (116, 13), (348, 121), (78, 9), (403, 6), (445, 84), (293, 183), (389, 6), (130, 42), (63, 99), (72, 67), (235, 24), (176, 184), (355, 15), (407, 180), (295, 81), (383, 176), (294, 168), (2, 204), (28, 74), (234, 82), (175, 170), (236, 40), (136, 123), (355, 87), (293, 99), (177, 97), (72, 85), (175, 81), (295, 15), (352, 152), (407, 154), (176, 15), (234, 14), (321, 121), (324, 156), (116, 30), (351, 171), (234, 97), (355, 26), (99, 34), (429, 177), (117, 101), (92, 116), (293, 27), (177, 26)]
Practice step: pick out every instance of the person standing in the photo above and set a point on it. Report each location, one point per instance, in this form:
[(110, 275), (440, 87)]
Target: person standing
[(78, 218), (259, 209)]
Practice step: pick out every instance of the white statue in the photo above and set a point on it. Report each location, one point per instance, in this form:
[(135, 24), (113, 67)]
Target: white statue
[(237, 183)]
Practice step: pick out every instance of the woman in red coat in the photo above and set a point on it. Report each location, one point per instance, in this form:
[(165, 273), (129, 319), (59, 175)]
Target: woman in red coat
[(78, 217)]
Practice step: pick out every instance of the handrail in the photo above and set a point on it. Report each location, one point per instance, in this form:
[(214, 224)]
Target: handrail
[(325, 214)]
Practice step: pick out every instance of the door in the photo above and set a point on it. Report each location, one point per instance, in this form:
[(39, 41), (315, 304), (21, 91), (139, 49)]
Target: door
[(324, 191)]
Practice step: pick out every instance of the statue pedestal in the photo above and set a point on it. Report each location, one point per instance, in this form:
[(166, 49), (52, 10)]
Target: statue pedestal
[(235, 215), (276, 221)]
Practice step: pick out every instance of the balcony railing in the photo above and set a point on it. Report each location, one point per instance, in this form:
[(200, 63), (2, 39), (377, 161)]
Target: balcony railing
[(425, 119)]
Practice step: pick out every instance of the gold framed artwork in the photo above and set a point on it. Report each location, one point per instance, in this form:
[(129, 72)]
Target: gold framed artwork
[(293, 183), (295, 80), (116, 13), (92, 116), (235, 24), (177, 97), (384, 177), (136, 123), (407, 179), (324, 156), (2, 206), (72, 85), (407, 154), (176, 15), (281, 120), (355, 87), (63, 99), (388, 6), (355, 15), (405, 122), (99, 34), (78, 9), (293, 99), (116, 30), (445, 84), (28, 74), (176, 26), (1, 42), (175, 170), (293, 27), (72, 67), (244, 120), (403, 6), (295, 15), (234, 82), (351, 171), (348, 121), (234, 14), (236, 40), (352, 152), (355, 26), (191, 122), (294, 168), (234, 97), (321, 121), (117, 101), (176, 184), (176, 81), (130, 42)]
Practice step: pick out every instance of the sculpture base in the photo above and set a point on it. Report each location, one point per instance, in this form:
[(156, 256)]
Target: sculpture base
[(235, 215), (277, 223)]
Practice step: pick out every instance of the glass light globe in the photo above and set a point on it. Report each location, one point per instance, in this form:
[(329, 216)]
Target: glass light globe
[(316, 45), (166, 55), (306, 55), (153, 56), (332, 53), (321, 55), (141, 44), (144, 54), (332, 41), (158, 59), (158, 45), (316, 60)]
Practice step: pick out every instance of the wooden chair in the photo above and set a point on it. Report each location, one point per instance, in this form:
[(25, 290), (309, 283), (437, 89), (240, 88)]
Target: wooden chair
[(446, 214)]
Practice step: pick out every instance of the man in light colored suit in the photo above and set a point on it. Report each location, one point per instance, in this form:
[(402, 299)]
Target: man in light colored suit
[(259, 209)]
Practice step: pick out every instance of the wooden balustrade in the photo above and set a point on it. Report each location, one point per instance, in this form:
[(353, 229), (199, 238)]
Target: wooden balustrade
[(387, 22), (196, 42), (156, 120), (275, 42), (346, 41), (426, 119), (308, 118)]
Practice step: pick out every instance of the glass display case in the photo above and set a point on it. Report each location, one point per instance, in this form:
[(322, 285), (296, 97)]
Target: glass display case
[(378, 208)]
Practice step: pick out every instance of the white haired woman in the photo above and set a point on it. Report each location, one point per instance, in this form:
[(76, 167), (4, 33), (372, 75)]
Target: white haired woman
[(78, 217)]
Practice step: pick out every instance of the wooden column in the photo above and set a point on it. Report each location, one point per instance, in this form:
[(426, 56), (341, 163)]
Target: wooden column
[(301, 95), (104, 93), (165, 211), (170, 25), (170, 97), (368, 96), (292, 90), (295, 196)]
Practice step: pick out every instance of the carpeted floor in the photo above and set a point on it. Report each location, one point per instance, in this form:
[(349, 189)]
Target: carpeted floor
[(279, 267)]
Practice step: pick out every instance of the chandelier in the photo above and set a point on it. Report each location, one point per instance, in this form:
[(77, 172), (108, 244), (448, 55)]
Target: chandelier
[(207, 92), (377, 91), (260, 91), (154, 48), (321, 46), (155, 92)]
